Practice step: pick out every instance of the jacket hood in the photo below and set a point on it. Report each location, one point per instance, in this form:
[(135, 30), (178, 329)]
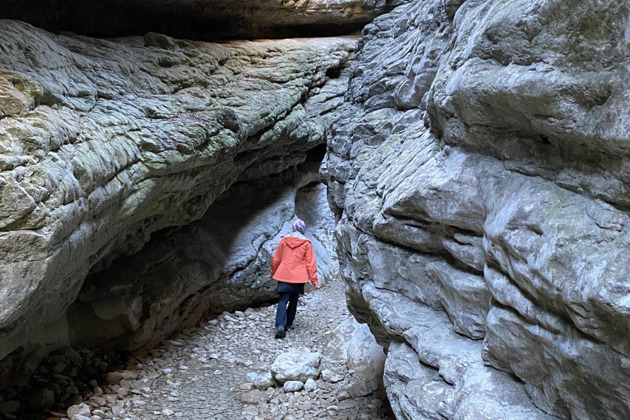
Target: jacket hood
[(294, 241)]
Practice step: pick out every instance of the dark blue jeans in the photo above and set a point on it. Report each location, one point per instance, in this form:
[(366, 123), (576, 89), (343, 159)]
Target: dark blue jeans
[(287, 307), (288, 294)]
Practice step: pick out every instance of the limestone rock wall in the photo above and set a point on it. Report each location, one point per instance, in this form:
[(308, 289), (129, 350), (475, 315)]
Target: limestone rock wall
[(479, 173), (103, 142)]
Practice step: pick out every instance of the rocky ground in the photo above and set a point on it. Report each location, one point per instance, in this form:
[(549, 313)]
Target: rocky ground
[(213, 372)]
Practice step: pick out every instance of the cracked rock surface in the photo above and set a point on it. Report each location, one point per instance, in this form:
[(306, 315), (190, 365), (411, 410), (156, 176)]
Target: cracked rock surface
[(478, 170), (218, 263)]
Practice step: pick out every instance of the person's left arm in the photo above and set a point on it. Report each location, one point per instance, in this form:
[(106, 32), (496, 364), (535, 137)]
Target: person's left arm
[(311, 266)]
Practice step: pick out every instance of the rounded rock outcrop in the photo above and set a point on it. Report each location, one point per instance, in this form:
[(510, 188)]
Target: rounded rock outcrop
[(120, 139)]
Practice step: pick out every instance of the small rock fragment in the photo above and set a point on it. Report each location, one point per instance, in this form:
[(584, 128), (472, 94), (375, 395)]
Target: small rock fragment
[(292, 386)]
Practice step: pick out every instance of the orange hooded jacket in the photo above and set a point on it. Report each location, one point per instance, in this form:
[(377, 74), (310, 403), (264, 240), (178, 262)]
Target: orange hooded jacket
[(294, 261)]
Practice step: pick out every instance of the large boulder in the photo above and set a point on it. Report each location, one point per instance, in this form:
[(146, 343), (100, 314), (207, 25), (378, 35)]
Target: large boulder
[(354, 344), (108, 141), (477, 170)]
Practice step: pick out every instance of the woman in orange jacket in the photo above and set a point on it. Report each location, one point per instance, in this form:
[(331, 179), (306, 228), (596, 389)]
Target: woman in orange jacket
[(293, 265)]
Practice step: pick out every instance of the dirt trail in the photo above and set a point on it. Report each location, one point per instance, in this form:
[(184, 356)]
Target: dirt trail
[(202, 373)]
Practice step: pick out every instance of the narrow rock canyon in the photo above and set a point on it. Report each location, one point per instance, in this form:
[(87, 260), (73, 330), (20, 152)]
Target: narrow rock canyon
[(462, 166)]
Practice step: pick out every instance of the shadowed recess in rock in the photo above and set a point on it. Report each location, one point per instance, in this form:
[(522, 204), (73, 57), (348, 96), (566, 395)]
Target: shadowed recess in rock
[(181, 277), (195, 19)]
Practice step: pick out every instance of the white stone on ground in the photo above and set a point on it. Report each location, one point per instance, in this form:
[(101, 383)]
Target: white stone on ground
[(292, 386), (262, 380), (310, 385), (78, 410), (296, 366)]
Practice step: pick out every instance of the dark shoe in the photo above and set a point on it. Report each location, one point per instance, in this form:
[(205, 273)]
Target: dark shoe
[(291, 327), (280, 332)]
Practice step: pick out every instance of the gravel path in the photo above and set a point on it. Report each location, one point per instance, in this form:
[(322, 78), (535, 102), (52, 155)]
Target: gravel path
[(202, 373)]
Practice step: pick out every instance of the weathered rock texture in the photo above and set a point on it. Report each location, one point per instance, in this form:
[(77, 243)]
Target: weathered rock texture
[(201, 19), (354, 343), (218, 263), (104, 142), (296, 366), (479, 172)]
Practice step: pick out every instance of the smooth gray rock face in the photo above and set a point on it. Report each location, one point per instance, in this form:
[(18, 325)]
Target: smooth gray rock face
[(464, 296), (105, 142), (355, 344), (478, 173), (413, 388)]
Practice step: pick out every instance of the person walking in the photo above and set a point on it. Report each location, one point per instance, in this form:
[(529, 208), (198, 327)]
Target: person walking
[(292, 266)]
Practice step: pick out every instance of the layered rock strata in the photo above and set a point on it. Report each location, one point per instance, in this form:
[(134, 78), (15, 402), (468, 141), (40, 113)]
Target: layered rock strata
[(104, 142), (478, 170), (205, 19)]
